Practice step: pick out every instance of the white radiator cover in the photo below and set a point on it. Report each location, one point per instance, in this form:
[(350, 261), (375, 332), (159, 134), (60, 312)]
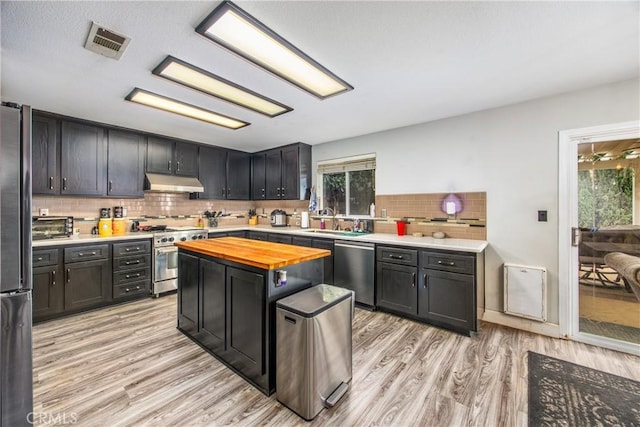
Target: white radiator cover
[(525, 291)]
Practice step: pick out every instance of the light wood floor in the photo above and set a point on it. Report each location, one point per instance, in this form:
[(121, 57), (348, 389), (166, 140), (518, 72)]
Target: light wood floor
[(128, 365)]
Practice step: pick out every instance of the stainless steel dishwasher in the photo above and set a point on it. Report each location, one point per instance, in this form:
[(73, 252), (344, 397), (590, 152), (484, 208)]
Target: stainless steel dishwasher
[(354, 269)]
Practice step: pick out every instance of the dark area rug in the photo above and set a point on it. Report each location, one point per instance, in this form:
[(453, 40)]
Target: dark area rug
[(565, 394)]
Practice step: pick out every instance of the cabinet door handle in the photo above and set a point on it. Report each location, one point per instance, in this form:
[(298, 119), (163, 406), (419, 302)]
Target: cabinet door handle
[(132, 262), (413, 280), (68, 275), (129, 276), (169, 165), (282, 192), (39, 258), (424, 281), (137, 248), (53, 278), (110, 186), (263, 195), (50, 183), (134, 289), (449, 263), (228, 192), (178, 166), (392, 256), (83, 254), (64, 183)]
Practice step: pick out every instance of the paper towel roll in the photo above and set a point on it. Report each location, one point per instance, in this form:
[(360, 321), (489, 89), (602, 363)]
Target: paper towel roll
[(304, 220)]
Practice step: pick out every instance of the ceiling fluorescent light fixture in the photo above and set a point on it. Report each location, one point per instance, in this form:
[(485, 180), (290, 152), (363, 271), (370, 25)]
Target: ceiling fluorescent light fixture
[(160, 102), (196, 78), (241, 33)]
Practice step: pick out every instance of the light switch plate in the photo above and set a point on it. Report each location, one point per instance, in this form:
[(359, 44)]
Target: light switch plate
[(44, 212), (542, 216)]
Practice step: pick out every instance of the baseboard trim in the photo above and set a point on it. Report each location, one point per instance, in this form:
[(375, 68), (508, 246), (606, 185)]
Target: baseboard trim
[(548, 329)]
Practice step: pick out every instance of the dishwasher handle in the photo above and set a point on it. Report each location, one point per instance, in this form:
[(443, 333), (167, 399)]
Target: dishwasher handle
[(348, 245)]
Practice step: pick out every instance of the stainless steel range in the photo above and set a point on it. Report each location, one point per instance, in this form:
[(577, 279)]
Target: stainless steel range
[(165, 256)]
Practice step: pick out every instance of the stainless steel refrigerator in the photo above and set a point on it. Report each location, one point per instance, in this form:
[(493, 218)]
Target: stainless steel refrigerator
[(16, 366)]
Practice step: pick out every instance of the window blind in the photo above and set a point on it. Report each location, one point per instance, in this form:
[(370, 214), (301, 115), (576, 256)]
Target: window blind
[(351, 164)]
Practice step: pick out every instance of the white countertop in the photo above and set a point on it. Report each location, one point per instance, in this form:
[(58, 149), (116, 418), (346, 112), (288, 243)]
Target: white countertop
[(462, 245), (89, 238)]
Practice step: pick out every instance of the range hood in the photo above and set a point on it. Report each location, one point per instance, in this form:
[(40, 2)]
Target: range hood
[(172, 183)]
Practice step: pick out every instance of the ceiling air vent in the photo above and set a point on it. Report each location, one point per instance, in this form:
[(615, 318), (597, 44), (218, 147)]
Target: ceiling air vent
[(106, 42)]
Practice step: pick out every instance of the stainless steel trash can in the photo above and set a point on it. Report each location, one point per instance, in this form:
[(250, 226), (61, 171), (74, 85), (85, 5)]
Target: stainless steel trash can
[(313, 348)]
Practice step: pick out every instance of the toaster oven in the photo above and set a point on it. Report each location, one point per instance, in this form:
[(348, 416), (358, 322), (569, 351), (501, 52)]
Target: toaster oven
[(50, 227)]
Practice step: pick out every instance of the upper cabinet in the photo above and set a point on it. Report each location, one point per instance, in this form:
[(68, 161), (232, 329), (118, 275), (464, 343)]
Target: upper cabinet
[(213, 168), (224, 174), (258, 176), (125, 164), (238, 175), (45, 147), (171, 157), (83, 155), (282, 173)]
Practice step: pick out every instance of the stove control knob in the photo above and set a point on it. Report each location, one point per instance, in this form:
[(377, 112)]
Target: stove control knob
[(163, 240), (200, 236), (194, 237), (171, 239), (182, 239)]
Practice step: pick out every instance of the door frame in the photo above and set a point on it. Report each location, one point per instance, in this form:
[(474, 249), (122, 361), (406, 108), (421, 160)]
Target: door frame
[(568, 141)]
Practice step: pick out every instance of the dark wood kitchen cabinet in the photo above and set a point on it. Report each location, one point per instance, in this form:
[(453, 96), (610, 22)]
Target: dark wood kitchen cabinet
[(258, 176), (131, 269), (213, 302), (213, 313), (436, 287), (87, 278), (170, 157), (212, 173), (396, 279), (228, 308), (125, 164), (48, 286), (238, 175), (447, 290), (83, 159), (224, 174), (45, 147), (320, 244), (287, 173), (188, 294)]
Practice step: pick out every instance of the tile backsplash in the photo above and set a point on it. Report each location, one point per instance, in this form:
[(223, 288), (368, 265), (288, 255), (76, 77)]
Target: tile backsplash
[(429, 205), (178, 204)]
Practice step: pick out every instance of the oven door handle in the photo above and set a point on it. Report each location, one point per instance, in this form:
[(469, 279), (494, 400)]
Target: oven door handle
[(166, 250)]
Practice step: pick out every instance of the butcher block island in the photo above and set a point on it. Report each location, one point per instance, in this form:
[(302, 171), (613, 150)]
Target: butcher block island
[(227, 293)]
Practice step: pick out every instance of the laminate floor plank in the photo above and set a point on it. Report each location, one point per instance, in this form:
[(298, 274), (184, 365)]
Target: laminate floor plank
[(128, 365)]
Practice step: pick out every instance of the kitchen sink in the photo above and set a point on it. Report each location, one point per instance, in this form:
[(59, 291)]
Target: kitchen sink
[(334, 232)]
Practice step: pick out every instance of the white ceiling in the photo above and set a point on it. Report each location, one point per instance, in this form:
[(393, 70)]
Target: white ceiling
[(410, 62)]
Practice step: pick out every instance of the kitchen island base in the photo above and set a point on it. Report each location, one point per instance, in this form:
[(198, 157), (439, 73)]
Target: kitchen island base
[(228, 308)]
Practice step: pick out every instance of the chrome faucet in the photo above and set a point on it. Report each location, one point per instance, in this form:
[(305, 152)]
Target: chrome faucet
[(334, 224)]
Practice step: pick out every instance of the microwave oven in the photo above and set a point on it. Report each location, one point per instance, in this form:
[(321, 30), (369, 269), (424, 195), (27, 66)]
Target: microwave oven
[(50, 227)]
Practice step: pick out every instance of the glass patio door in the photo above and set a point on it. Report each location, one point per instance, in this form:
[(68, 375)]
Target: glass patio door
[(607, 181)]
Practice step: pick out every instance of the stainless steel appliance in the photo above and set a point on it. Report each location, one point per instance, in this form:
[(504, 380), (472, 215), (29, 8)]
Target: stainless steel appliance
[(16, 385), (313, 348), (354, 268), (165, 256), (49, 227), (278, 218)]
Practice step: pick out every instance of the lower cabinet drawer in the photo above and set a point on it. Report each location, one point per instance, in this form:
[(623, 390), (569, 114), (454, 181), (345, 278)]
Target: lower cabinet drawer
[(131, 289), (397, 255), (448, 262), (130, 262), (86, 253), (130, 276), (44, 257)]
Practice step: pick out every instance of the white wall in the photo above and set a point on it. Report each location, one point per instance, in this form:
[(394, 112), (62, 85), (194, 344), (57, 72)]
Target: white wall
[(511, 153)]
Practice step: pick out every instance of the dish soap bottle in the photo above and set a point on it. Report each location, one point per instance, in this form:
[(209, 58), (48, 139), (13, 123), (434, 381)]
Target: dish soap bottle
[(372, 210)]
